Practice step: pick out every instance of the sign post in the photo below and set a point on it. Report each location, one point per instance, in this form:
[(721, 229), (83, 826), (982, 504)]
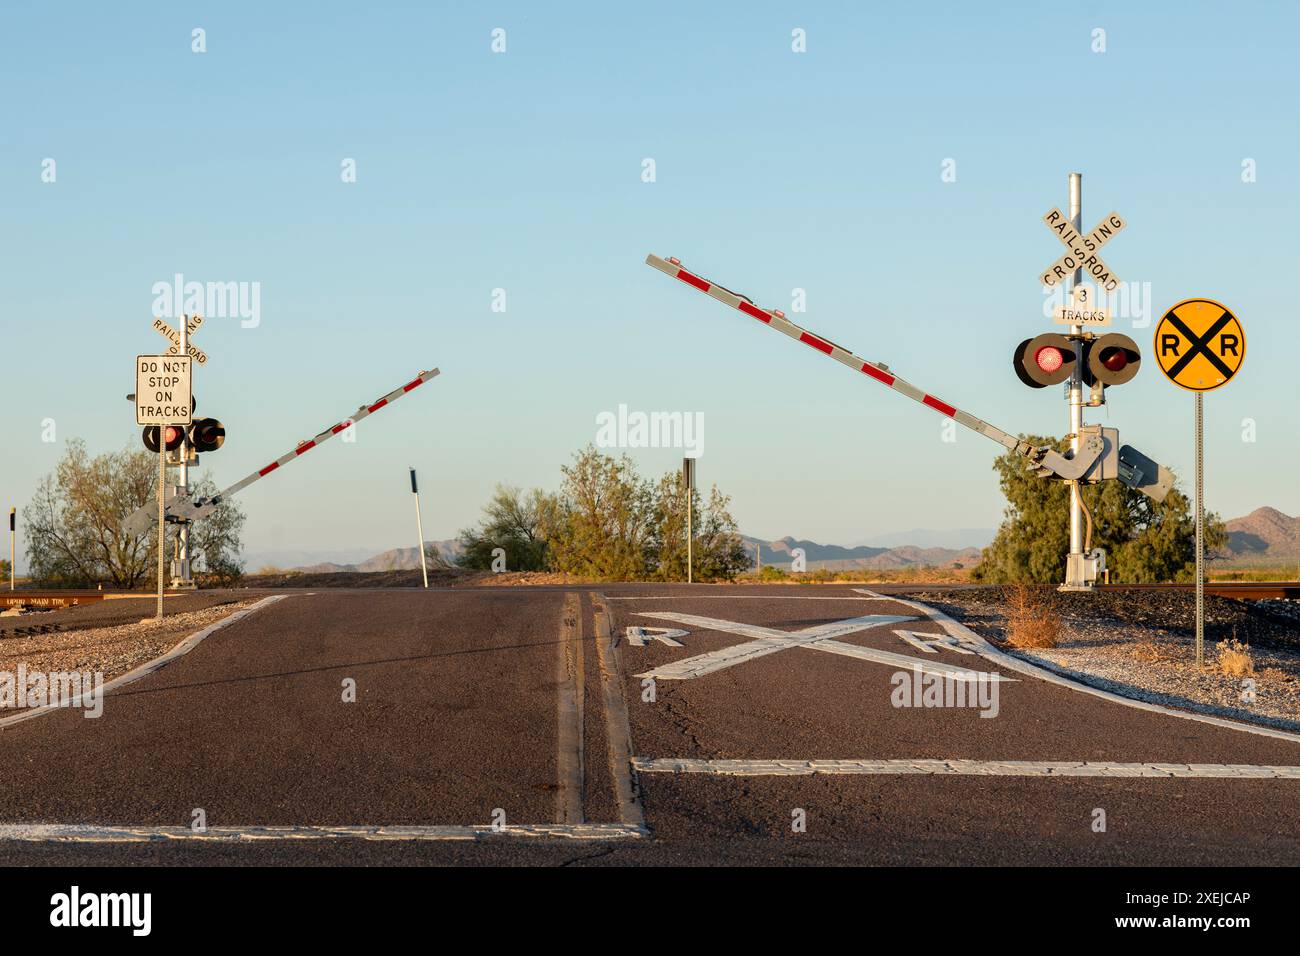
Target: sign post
[(1200, 346), (163, 397), (162, 523), (688, 479), (419, 528), (12, 534), (180, 345)]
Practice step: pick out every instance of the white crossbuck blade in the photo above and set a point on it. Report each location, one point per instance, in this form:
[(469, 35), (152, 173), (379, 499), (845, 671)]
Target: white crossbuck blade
[(1134, 468), (189, 509)]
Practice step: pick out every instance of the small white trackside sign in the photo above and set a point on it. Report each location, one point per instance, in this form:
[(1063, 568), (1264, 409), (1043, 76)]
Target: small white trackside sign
[(1081, 309)]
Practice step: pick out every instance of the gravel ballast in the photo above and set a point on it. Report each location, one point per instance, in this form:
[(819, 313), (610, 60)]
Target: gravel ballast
[(1141, 644), (114, 649)]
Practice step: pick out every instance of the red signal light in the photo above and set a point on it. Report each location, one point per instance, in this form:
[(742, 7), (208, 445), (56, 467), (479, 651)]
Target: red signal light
[(1046, 359), (1049, 358), (172, 436), (1114, 359), (207, 434)]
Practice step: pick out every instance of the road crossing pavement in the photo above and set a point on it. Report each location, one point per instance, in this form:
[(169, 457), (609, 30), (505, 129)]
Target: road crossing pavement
[(629, 724)]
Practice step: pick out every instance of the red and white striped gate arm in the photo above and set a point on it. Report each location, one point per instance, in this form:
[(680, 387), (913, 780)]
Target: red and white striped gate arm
[(197, 509), (874, 370)]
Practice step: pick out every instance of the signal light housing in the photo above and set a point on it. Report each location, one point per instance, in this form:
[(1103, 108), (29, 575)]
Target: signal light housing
[(1046, 359), (173, 436), (1113, 359), (207, 434)]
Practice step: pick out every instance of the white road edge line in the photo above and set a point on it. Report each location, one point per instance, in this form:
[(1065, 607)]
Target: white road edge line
[(739, 597), (977, 768), (85, 833), (989, 652), (148, 667)]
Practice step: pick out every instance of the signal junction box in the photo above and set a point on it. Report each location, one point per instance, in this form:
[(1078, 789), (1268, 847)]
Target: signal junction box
[(1086, 568), (1105, 442)]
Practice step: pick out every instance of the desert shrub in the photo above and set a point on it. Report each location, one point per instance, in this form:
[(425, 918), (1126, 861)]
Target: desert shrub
[(1031, 618)]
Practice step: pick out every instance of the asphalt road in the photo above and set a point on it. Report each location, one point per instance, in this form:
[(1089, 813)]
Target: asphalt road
[(534, 708)]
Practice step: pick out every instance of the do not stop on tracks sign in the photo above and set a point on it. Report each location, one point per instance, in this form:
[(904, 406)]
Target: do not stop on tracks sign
[(163, 390)]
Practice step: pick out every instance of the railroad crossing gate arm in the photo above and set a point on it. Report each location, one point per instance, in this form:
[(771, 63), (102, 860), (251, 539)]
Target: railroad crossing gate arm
[(1044, 460), (189, 508)]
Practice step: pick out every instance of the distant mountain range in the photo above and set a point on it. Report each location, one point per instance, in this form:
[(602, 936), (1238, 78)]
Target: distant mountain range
[(956, 538), (394, 559), (780, 553), (1266, 536)]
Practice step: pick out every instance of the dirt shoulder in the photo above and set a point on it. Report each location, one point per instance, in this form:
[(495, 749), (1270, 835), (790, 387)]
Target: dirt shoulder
[(108, 613), (113, 641), (1141, 644)]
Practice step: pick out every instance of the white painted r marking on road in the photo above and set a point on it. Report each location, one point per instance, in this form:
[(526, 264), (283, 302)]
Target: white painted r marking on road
[(933, 643), (639, 636)]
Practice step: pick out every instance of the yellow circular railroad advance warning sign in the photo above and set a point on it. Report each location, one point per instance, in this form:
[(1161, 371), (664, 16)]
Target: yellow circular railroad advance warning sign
[(1200, 345)]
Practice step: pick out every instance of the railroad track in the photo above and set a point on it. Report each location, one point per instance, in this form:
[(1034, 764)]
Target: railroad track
[(67, 597), (1246, 590), (1252, 590)]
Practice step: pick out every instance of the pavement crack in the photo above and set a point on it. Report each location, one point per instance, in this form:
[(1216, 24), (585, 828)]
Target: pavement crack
[(597, 854)]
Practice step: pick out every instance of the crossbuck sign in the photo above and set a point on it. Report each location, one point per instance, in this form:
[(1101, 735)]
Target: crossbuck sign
[(1081, 251), (192, 323)]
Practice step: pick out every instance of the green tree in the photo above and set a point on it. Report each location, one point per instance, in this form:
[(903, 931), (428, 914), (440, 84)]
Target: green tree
[(215, 543), (511, 521), (718, 550), (1145, 541), (600, 524), (607, 523), (74, 522)]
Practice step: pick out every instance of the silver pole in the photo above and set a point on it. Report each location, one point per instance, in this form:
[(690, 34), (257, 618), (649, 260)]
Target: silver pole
[(162, 524), (1074, 564), (688, 476), (1200, 529), (690, 558), (419, 528), (182, 576)]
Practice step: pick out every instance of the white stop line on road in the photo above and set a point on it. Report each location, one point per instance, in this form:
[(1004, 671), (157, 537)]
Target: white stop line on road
[(976, 768), (87, 833)]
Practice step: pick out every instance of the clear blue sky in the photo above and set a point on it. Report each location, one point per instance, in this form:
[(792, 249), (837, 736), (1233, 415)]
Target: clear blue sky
[(522, 170)]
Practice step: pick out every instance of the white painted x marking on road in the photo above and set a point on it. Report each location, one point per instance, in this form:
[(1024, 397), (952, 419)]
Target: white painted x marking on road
[(769, 640)]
